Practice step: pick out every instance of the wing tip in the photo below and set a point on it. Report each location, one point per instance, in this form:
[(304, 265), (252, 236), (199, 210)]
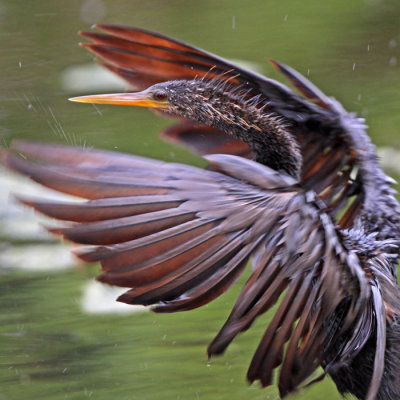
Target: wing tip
[(91, 255), (251, 376), (105, 27), (274, 63), (25, 200), (124, 297)]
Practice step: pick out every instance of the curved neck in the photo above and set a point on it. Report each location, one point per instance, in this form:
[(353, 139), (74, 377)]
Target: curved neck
[(270, 143), (232, 111)]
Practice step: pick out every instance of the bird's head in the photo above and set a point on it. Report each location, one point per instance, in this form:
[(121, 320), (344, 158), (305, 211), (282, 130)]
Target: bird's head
[(193, 99)]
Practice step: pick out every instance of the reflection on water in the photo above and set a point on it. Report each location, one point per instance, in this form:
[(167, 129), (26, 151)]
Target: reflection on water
[(51, 347)]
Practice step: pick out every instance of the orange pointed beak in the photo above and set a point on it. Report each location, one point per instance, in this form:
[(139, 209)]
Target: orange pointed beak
[(141, 99)]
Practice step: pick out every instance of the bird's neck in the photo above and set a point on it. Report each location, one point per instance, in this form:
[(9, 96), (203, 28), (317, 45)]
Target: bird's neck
[(268, 138), (269, 141)]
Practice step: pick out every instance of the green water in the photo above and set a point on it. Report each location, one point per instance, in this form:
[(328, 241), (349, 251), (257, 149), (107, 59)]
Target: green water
[(50, 349)]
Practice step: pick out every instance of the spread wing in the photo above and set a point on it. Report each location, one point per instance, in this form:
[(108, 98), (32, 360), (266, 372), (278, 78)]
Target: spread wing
[(179, 236), (329, 137)]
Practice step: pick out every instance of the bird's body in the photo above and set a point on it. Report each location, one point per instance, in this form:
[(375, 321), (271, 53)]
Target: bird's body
[(312, 209)]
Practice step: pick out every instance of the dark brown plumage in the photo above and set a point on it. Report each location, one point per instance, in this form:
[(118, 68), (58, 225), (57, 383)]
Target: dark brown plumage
[(298, 191)]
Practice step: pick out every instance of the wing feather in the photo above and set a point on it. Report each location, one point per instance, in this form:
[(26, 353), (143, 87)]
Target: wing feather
[(178, 237), (102, 209), (182, 247)]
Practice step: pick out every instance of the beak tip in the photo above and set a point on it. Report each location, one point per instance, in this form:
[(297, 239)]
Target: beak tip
[(129, 99), (81, 99)]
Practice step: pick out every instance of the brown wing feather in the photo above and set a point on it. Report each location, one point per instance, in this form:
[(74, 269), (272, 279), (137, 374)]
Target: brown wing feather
[(103, 209), (183, 249), (203, 139)]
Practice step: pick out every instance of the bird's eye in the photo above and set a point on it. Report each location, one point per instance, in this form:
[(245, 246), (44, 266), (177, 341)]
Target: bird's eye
[(160, 95)]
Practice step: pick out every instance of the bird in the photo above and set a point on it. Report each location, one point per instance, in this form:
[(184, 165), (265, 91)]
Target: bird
[(292, 192)]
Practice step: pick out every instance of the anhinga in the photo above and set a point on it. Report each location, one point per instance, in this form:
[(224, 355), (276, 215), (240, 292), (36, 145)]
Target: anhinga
[(296, 188)]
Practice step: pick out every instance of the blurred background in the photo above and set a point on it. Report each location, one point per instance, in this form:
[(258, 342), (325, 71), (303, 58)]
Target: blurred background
[(61, 335)]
